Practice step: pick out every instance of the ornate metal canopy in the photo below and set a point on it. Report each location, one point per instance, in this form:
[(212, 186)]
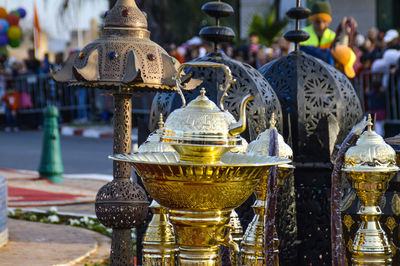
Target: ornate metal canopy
[(124, 56), (320, 101)]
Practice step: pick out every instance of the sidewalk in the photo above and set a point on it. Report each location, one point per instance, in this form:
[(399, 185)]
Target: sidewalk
[(33, 243), (36, 243), (91, 131)]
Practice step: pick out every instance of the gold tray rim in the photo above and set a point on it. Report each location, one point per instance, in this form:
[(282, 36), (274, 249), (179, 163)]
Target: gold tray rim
[(277, 160)]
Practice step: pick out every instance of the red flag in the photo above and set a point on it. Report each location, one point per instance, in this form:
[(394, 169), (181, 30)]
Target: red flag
[(36, 28)]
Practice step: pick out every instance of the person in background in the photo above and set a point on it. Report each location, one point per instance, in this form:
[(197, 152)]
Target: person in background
[(32, 64), (45, 64), (11, 100), (391, 40), (377, 105), (4, 75), (320, 35)]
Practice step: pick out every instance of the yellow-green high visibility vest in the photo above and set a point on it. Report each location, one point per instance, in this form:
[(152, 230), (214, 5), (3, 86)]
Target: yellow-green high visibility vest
[(324, 43)]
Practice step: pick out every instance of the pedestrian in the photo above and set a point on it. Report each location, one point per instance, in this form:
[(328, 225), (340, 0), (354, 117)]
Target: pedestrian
[(32, 64), (320, 35), (11, 100)]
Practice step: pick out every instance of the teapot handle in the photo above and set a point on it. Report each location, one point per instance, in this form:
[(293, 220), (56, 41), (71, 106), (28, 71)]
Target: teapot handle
[(228, 79)]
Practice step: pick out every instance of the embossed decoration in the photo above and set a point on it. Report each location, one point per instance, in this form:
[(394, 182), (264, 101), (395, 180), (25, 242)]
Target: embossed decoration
[(119, 58), (248, 81), (350, 244), (112, 55), (151, 57), (396, 204), (320, 101), (348, 222), (391, 224), (371, 153), (125, 12), (393, 248)]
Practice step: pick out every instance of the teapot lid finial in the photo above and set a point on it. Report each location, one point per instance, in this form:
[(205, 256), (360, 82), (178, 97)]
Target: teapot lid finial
[(272, 121), (369, 123)]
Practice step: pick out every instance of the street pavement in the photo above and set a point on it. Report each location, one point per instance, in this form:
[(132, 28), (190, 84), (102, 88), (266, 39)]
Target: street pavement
[(22, 150)]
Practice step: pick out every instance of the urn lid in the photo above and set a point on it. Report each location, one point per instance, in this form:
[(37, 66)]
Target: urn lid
[(153, 142), (201, 122), (261, 145), (370, 154)]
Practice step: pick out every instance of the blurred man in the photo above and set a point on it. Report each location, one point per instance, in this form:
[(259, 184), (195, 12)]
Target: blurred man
[(320, 35)]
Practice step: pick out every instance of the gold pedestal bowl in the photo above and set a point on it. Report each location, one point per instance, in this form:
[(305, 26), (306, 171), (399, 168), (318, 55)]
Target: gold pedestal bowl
[(370, 165), (200, 197)]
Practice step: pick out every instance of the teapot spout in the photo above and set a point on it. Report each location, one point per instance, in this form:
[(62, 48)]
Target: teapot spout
[(240, 126)]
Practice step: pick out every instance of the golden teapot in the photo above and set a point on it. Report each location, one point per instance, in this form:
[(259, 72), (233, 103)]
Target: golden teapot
[(200, 131)]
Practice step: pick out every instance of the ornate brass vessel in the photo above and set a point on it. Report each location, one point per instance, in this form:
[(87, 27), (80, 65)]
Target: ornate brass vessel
[(370, 165), (159, 247), (201, 184), (253, 249), (200, 196), (201, 131)]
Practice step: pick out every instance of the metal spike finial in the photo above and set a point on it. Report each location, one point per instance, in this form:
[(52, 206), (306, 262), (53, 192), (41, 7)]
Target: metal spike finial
[(160, 121), (272, 121), (369, 123)]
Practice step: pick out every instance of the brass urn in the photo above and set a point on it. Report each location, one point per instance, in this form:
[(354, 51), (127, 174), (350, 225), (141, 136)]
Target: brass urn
[(370, 165), (252, 248)]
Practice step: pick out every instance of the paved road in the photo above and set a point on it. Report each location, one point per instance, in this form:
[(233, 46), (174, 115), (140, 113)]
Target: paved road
[(22, 150)]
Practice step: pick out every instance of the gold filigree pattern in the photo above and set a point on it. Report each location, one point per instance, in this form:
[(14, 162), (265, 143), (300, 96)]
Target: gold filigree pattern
[(350, 245), (391, 224), (396, 204), (348, 222)]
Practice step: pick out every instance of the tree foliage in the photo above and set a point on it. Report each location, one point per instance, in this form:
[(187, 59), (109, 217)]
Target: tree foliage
[(171, 21), (267, 28)]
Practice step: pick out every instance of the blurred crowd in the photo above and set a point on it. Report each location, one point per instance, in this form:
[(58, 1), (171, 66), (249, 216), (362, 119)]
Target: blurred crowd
[(253, 52), (351, 52)]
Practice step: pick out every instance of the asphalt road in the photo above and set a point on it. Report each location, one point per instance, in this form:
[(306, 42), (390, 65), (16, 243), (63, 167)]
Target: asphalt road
[(22, 150)]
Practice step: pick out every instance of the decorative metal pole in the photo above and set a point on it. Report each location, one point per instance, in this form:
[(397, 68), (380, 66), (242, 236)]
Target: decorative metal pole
[(123, 60)]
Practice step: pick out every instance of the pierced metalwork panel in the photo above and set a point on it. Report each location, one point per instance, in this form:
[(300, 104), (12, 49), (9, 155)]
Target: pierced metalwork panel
[(122, 133), (286, 222), (121, 204), (320, 101), (248, 79), (313, 216)]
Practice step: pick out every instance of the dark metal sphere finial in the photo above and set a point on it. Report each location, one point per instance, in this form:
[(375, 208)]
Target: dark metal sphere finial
[(297, 35), (217, 33)]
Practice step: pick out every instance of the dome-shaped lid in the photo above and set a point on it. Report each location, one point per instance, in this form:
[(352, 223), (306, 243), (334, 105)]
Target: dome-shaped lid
[(153, 142), (261, 145), (370, 154), (125, 13), (200, 122), (123, 58)]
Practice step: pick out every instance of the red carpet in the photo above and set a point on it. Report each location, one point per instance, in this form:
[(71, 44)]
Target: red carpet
[(26, 188), (25, 194)]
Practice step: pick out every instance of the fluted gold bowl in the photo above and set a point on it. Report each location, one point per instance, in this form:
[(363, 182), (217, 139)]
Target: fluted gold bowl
[(186, 185)]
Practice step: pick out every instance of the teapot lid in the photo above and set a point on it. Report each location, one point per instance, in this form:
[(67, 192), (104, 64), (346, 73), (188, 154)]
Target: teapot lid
[(201, 122), (370, 154), (153, 142), (261, 145)]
